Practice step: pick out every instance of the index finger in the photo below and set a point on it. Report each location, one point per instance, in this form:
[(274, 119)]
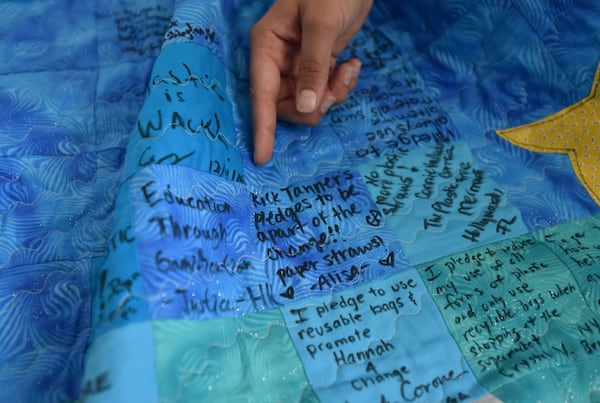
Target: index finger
[(265, 81)]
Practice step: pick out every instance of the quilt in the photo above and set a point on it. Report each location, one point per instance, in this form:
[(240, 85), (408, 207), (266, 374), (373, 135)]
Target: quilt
[(436, 238)]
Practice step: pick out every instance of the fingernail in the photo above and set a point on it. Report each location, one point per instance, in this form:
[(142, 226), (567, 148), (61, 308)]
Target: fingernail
[(307, 101), (327, 104), (348, 74)]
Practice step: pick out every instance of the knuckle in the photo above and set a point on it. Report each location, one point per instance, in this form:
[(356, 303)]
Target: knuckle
[(341, 97), (309, 67)]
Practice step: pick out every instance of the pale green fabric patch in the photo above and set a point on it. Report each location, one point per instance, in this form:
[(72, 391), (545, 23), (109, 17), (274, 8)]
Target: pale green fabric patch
[(229, 360)]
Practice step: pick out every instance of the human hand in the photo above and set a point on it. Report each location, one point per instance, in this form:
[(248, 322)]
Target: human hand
[(293, 72)]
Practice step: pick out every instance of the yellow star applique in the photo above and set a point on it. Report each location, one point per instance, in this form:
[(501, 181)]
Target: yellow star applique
[(575, 131)]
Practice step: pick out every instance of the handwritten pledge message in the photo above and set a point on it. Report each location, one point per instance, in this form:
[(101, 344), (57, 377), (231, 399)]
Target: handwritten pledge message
[(194, 245), (437, 194), (321, 233), (187, 117), (401, 114), (118, 290), (515, 307), (142, 31), (363, 344), (578, 245)]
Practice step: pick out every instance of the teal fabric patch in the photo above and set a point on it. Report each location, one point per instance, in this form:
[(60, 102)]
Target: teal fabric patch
[(517, 312)]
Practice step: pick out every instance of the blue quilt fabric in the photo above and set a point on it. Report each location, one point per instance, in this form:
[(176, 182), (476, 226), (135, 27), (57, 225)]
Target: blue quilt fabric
[(405, 249)]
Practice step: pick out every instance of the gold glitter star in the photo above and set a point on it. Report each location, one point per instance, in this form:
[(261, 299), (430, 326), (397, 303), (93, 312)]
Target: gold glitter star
[(574, 131)]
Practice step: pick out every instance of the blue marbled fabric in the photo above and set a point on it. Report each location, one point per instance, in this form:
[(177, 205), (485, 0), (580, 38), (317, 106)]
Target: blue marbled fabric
[(74, 77)]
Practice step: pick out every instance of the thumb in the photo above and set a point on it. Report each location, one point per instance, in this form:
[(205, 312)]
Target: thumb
[(316, 50)]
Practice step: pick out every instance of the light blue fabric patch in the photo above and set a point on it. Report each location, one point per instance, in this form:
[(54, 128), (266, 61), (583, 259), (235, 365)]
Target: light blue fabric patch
[(438, 195), (121, 377), (367, 344)]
